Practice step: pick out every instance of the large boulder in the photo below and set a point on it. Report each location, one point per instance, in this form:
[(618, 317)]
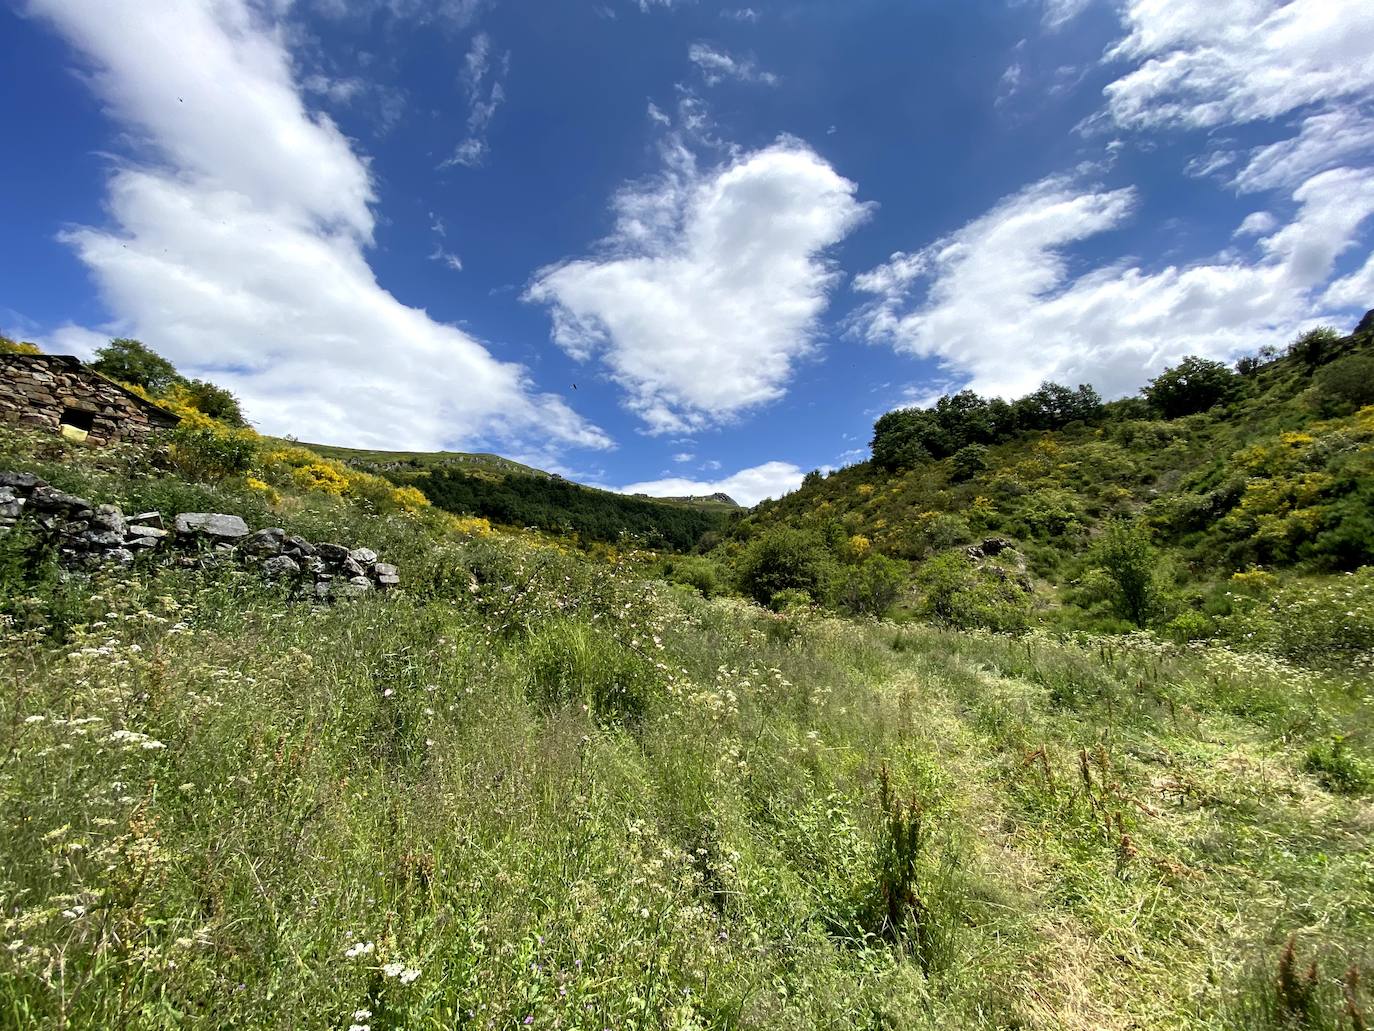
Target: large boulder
[(213, 525), (11, 504), (334, 554), (280, 566), (21, 481), (49, 499), (264, 542), (109, 517), (298, 546)]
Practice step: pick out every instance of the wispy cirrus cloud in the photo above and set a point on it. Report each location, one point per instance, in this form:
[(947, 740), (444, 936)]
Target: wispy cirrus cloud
[(483, 79), (717, 65)]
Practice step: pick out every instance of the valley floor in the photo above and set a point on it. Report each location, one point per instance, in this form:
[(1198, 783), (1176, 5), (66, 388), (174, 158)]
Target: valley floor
[(565, 799)]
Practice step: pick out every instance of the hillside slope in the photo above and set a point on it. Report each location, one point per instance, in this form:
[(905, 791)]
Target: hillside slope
[(1278, 473), (535, 789)]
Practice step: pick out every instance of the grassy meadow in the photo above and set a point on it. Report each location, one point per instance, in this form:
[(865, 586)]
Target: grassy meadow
[(536, 788)]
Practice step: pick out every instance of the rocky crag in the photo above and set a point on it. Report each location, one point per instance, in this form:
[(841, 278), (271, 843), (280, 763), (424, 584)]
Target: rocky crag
[(88, 536)]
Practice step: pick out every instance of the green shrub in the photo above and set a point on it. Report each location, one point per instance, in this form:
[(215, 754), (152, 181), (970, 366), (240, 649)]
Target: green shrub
[(968, 462), (697, 572), (1324, 621), (210, 453), (1346, 385), (1125, 554), (782, 559), (955, 592), (870, 587), (1316, 346), (572, 661), (33, 591), (214, 401), (1337, 768), (1190, 625)]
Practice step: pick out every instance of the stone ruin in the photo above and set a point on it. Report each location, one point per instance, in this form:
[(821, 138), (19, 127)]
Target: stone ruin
[(89, 536), (59, 393)]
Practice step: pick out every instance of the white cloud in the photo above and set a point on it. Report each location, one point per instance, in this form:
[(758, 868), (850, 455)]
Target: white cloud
[(683, 456), (1230, 61), (741, 14), (708, 291), (1353, 291), (1257, 223), (1327, 140), (748, 486), (454, 13), (1002, 311), (718, 65), (1059, 13), (483, 82), (237, 246)]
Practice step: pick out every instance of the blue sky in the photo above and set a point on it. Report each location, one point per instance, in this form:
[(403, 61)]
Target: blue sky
[(677, 245)]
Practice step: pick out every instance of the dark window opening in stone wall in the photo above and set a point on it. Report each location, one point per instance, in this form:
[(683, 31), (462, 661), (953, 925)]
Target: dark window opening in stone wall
[(77, 422)]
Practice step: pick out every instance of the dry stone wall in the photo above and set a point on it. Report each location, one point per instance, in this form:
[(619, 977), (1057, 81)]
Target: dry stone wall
[(89, 535)]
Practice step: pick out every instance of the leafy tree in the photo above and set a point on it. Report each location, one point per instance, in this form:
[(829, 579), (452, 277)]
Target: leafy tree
[(1053, 406), (1126, 554), (8, 346), (214, 401), (1193, 385), (1316, 347), (132, 361), (784, 559)]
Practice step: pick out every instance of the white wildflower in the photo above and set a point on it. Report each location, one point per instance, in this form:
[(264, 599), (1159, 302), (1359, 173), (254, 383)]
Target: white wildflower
[(359, 949)]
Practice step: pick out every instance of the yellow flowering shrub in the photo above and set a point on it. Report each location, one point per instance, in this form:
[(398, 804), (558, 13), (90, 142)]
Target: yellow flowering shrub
[(264, 488), (471, 526), (408, 499), (321, 478)]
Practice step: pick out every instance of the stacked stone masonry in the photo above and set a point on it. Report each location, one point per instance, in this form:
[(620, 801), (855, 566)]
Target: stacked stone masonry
[(51, 392), (90, 535)]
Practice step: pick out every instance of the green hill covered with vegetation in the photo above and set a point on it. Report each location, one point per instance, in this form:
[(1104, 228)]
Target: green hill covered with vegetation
[(1173, 509)]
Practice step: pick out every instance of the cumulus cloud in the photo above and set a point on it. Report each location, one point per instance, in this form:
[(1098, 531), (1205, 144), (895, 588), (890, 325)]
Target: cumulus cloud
[(1257, 223), (236, 245), (484, 82), (748, 486), (1000, 310), (708, 291), (718, 65), (1201, 65)]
